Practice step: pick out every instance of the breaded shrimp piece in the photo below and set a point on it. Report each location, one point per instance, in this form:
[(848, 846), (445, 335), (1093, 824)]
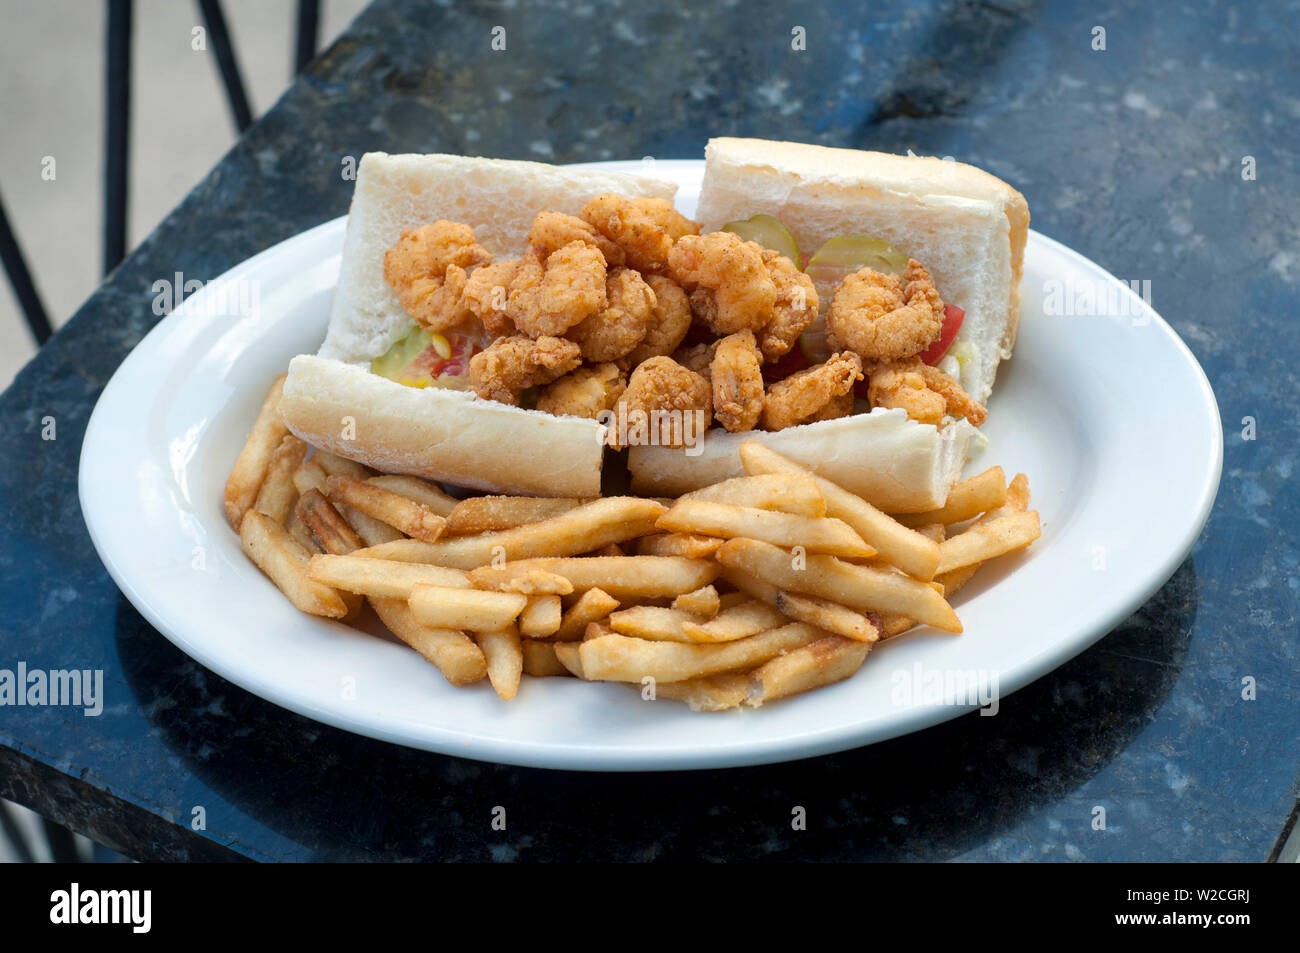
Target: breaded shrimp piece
[(659, 393), (551, 297), (805, 394), (669, 322), (795, 308), (551, 231), (486, 294), (644, 228), (728, 283), (925, 392), (620, 326), (584, 392), (736, 374), (418, 267), (878, 318), (512, 365), (698, 358), (835, 408)]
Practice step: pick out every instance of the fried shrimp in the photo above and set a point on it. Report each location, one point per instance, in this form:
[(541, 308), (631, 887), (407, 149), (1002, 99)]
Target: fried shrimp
[(805, 395), (548, 298), (551, 231), (879, 319), (584, 392), (427, 270), (697, 358), (487, 292), (925, 392), (737, 377), (669, 321), (795, 308), (620, 326), (644, 228), (659, 397), (512, 365), (729, 285)]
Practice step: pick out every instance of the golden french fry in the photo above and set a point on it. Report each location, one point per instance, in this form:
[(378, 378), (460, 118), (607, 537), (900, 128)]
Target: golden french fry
[(739, 622), (373, 532), (592, 606), (486, 514), (1017, 499), (902, 547), (310, 475), (968, 499), (383, 578), (595, 630), (299, 531), (326, 525), (858, 587), (334, 465), (720, 692), (566, 653), (540, 660), (474, 609), (629, 577), (830, 616), (986, 540), (275, 495), (794, 493), (505, 659), (823, 662), (611, 549), (655, 623), (703, 602), (621, 658), (935, 531), (512, 578), (422, 491), (952, 581), (401, 512), (678, 544), (285, 561), (454, 653), (540, 617), (815, 534), (591, 526), (250, 466)]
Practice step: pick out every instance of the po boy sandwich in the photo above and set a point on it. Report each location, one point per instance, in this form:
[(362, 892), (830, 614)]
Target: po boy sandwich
[(499, 325)]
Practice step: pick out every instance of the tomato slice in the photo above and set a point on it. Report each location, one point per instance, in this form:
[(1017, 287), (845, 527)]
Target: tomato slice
[(952, 319), (421, 359)]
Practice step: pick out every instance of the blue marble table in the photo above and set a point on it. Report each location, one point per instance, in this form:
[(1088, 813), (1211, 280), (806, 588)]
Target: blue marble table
[(1169, 155)]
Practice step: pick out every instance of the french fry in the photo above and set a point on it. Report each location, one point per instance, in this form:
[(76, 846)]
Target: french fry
[(815, 534), (984, 541), (567, 654), (935, 531), (401, 512), (620, 658), (595, 630), (505, 659), (334, 465), (373, 532), (823, 662), (581, 530), (326, 525), (952, 581), (678, 544), (1017, 500), (830, 616), (610, 549), (902, 547), (592, 606), (702, 602), (653, 622), (299, 531), (285, 561), (382, 578), (422, 491), (968, 499), (739, 622), (540, 617), (720, 692), (453, 608), (540, 660), (310, 475), (454, 653), (629, 577), (794, 493), (486, 514), (858, 587), (276, 494), (250, 466), (514, 578)]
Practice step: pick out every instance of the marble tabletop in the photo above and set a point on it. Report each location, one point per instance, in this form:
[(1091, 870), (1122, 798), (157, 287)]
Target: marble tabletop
[(1160, 144)]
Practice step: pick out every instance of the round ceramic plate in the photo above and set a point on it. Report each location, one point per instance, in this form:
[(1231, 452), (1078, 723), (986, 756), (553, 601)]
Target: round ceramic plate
[(1109, 414)]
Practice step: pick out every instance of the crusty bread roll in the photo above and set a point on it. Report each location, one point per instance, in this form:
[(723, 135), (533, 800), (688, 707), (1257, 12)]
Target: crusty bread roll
[(966, 226)]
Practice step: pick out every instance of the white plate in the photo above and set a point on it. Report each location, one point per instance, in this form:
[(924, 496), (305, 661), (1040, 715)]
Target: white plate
[(1111, 418)]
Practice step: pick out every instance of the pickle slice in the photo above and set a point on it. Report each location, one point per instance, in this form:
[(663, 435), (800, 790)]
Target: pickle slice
[(769, 232), (842, 255), (395, 360)]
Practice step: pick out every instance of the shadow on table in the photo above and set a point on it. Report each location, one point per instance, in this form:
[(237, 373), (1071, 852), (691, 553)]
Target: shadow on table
[(931, 795)]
